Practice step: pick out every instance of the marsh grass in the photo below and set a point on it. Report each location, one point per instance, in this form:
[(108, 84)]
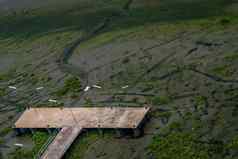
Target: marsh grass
[(71, 85), (39, 138)]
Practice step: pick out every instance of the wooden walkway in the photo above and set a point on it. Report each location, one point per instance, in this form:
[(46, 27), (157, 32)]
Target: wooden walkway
[(73, 120), (61, 143), (93, 117)]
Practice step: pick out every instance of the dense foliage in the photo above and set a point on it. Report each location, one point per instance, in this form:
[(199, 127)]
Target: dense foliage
[(183, 146), (39, 138)]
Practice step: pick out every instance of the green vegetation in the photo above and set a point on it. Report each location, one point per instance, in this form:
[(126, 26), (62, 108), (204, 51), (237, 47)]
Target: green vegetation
[(225, 21), (50, 31), (176, 126), (81, 145), (3, 77), (233, 145), (5, 131), (196, 124), (6, 76), (78, 149), (224, 71), (20, 153), (39, 138), (159, 114), (72, 85), (179, 145), (231, 56), (200, 102), (1, 141), (231, 94), (2, 92), (159, 100)]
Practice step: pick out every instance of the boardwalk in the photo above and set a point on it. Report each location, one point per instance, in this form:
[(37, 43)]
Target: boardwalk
[(104, 117), (73, 120), (61, 143)]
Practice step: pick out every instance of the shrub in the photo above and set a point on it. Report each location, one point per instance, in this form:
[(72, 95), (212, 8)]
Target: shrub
[(224, 21), (71, 85), (5, 131), (177, 146), (158, 100), (20, 153), (39, 139), (81, 145)]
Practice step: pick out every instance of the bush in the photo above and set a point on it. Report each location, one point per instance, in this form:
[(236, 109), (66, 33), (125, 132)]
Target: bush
[(158, 100), (224, 21), (179, 146), (72, 85), (5, 131), (81, 145), (20, 153), (39, 139)]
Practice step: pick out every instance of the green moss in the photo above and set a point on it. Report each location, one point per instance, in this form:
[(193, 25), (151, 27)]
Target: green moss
[(7, 76), (39, 139), (2, 92), (3, 77), (179, 145), (231, 94), (220, 119), (72, 85), (175, 126), (81, 145), (196, 124), (5, 131), (231, 56), (188, 115), (160, 114), (1, 141), (225, 21), (158, 100), (20, 153), (33, 79), (224, 71), (233, 145), (200, 102)]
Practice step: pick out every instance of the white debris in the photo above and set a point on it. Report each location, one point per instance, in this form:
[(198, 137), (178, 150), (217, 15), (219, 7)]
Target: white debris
[(96, 86), (12, 87), (39, 88), (124, 87), (87, 88), (19, 145), (52, 100)]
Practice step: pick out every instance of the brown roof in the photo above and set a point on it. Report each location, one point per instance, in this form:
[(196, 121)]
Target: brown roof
[(93, 117)]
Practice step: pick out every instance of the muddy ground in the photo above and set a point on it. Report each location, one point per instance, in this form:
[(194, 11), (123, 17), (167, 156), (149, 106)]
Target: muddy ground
[(180, 57)]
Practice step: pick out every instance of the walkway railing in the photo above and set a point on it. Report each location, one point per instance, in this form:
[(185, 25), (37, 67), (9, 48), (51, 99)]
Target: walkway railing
[(46, 144)]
